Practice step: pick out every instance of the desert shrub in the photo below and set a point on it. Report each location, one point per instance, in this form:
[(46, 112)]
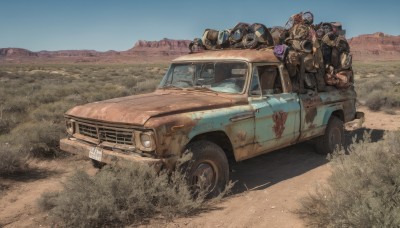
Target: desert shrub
[(363, 190), (16, 105), (118, 196), (11, 160), (4, 126), (147, 86), (40, 139), (53, 112), (375, 100), (33, 98)]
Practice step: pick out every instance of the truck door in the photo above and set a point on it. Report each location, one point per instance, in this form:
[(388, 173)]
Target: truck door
[(277, 109)]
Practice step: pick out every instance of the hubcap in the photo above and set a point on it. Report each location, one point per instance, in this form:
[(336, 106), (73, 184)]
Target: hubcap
[(206, 174)]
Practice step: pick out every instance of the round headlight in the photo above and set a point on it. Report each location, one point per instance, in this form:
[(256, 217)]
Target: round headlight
[(146, 140), (70, 127)]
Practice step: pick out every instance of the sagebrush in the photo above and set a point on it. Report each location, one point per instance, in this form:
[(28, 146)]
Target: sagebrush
[(364, 189), (378, 85), (118, 196), (34, 98)]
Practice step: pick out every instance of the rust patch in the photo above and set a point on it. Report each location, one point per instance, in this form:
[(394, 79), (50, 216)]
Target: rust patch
[(311, 113), (279, 123), (242, 135), (310, 106)]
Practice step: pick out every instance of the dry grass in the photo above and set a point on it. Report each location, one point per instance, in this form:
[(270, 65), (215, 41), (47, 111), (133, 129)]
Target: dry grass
[(364, 189), (378, 85), (34, 98), (116, 197)]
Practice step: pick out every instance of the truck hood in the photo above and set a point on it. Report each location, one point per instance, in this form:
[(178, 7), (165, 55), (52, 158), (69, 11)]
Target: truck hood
[(137, 109)]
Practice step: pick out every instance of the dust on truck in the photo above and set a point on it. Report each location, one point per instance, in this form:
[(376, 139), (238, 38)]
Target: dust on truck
[(220, 105)]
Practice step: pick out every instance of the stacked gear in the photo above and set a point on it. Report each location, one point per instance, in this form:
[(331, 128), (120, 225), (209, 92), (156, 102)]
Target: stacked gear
[(316, 56), (242, 36), (336, 56)]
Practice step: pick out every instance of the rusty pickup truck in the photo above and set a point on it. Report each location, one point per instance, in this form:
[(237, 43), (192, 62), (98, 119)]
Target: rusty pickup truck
[(220, 105)]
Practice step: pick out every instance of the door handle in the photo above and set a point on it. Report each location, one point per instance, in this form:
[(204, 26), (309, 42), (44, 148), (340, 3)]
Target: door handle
[(290, 99), (242, 116)]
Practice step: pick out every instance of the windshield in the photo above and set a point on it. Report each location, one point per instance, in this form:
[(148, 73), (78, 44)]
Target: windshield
[(226, 77)]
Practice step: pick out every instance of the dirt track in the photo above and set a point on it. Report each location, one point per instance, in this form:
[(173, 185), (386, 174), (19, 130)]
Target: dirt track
[(267, 192)]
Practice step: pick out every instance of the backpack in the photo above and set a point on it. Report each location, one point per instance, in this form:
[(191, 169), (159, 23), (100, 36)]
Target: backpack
[(309, 63), (326, 53), (196, 45), (279, 34), (344, 79), (342, 44), (209, 39), (299, 32), (294, 20), (301, 45), (281, 51), (223, 38), (238, 32), (250, 41), (335, 57), (262, 33), (345, 60), (292, 62), (310, 81)]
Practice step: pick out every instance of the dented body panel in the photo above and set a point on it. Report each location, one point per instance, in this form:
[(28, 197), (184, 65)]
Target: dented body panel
[(242, 123)]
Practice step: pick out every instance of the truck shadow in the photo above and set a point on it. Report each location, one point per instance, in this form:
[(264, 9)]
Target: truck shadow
[(266, 170)]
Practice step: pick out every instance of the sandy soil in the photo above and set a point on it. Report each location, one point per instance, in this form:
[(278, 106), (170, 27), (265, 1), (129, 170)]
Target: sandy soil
[(266, 194)]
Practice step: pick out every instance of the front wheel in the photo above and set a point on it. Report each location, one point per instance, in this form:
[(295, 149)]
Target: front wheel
[(208, 170), (333, 137)]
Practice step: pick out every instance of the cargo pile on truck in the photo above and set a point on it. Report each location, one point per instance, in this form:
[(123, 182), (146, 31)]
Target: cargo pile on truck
[(317, 56)]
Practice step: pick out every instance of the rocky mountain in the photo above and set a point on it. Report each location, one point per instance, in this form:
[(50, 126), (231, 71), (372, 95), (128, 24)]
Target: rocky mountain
[(16, 52), (377, 46), (142, 52), (164, 47)]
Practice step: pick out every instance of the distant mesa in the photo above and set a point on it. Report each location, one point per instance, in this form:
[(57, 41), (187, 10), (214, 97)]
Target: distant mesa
[(377, 46), (164, 47), (16, 52)]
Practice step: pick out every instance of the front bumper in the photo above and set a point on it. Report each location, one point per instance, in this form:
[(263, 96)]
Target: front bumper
[(108, 156)]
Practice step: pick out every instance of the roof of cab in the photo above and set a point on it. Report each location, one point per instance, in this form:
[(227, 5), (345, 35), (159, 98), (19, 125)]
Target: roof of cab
[(255, 56)]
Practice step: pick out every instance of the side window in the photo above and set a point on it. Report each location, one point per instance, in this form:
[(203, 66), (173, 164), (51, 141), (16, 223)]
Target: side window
[(270, 80), (255, 89)]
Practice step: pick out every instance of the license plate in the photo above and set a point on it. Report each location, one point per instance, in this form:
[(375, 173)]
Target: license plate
[(95, 153)]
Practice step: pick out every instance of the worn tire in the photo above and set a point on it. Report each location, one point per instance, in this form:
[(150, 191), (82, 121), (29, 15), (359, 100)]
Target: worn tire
[(334, 135), (210, 161)]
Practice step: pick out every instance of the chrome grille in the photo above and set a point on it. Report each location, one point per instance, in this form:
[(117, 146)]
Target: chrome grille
[(87, 130), (116, 136), (107, 134)]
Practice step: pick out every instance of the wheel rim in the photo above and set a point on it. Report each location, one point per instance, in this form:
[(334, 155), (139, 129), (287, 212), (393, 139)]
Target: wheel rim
[(207, 172), (335, 138)]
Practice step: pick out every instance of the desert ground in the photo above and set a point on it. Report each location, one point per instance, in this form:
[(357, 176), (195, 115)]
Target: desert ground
[(268, 188), (267, 192)]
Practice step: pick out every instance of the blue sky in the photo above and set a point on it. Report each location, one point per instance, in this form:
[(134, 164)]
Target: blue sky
[(117, 25)]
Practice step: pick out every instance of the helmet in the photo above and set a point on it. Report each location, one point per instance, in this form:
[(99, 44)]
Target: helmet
[(307, 17)]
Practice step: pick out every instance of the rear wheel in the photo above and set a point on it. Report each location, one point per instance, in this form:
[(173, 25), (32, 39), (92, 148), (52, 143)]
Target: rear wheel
[(333, 137), (208, 170)]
